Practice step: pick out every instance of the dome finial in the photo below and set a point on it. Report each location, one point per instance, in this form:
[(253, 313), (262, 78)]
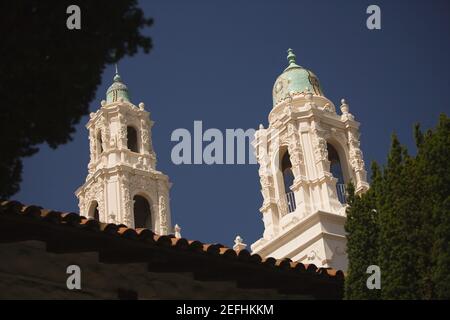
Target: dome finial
[(291, 59), (118, 91), (117, 75)]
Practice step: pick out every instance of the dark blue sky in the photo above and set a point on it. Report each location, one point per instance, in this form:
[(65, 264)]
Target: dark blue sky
[(216, 61)]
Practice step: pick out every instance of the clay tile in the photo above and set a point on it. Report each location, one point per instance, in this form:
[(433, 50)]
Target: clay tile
[(206, 246), (331, 272), (102, 225), (195, 245), (323, 272), (109, 228), (339, 275), (255, 258), (180, 243), (270, 262), (212, 248), (51, 216), (162, 240), (284, 263), (90, 224), (11, 207), (298, 266), (311, 268), (145, 235), (243, 254), (219, 245), (127, 233), (83, 219), (228, 253), (223, 250), (70, 218), (32, 211)]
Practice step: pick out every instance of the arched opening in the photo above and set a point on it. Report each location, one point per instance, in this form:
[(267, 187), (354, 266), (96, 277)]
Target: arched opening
[(142, 213), (336, 171), (286, 170), (132, 142), (99, 143), (93, 211), (288, 181)]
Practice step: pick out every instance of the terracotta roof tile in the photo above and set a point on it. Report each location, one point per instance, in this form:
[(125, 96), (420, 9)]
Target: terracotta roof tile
[(195, 245), (180, 243), (34, 211), (298, 266), (127, 233), (227, 252), (70, 218), (255, 258), (311, 268), (243, 254), (143, 234), (182, 250), (284, 263), (164, 241)]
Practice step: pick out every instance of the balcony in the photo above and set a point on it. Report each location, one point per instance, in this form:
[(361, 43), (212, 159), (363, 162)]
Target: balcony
[(287, 203), (290, 199), (341, 193)]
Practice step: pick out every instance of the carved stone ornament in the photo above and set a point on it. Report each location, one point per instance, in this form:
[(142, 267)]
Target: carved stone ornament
[(163, 215), (320, 148), (93, 193), (355, 153)]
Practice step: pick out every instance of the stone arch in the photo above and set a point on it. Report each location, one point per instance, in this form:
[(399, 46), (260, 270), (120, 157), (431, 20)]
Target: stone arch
[(288, 181), (286, 170), (335, 164), (276, 170), (143, 214), (93, 212), (347, 174), (283, 179), (132, 139), (99, 141), (339, 168)]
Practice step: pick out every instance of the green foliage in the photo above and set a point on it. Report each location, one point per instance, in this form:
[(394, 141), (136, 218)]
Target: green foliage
[(409, 234), (49, 74), (361, 241), (434, 167)]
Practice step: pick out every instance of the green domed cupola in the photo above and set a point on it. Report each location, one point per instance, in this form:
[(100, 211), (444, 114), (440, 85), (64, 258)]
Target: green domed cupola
[(294, 79), (117, 90)]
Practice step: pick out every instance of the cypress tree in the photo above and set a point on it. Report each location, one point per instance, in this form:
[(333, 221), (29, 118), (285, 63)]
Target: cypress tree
[(409, 235), (400, 221), (433, 163), (362, 239)]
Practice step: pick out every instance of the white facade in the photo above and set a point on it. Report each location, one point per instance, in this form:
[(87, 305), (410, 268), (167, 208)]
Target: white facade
[(122, 177), (306, 222)]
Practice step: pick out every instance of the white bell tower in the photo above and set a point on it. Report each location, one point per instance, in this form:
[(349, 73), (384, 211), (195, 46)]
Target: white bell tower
[(307, 155), (123, 185)]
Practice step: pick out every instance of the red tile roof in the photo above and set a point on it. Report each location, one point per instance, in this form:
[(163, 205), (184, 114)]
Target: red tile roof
[(70, 232)]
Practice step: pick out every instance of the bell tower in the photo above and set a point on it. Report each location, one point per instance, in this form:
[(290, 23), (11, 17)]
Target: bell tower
[(306, 155), (123, 185)]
